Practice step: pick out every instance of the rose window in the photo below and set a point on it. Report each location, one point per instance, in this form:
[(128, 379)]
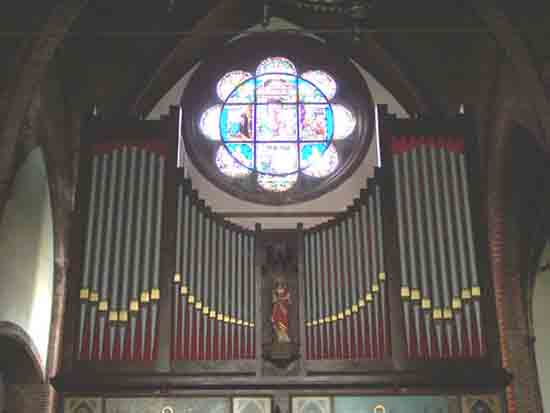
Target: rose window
[(277, 125)]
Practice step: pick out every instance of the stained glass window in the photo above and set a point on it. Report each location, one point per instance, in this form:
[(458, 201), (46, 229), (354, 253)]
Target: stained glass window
[(277, 124)]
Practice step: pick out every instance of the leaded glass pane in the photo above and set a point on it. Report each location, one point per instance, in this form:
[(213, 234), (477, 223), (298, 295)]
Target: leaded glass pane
[(276, 158), (227, 84), (322, 81), (317, 161), (344, 122), (309, 93), (210, 122), (316, 122), (276, 65), (235, 160), (237, 122), (276, 88), (276, 122), (277, 183)]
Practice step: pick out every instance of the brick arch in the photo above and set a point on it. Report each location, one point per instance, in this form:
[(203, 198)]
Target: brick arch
[(517, 51), (506, 272), (34, 59)]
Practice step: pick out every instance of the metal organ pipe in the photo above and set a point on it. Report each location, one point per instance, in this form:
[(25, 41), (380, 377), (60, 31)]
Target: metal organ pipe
[(239, 301), (253, 293), (405, 287), (415, 292), (366, 275), (226, 287), (338, 315), (426, 292), (184, 289), (89, 247), (106, 269), (355, 336), (444, 270), (446, 292), (137, 265), (323, 316), (375, 287), (476, 289), (246, 286), (307, 294), (429, 207), (127, 272), (381, 270), (199, 278), (213, 258), (193, 230), (176, 312), (232, 299), (357, 226), (316, 313), (328, 252), (146, 267), (344, 285), (155, 290), (115, 281), (451, 291)]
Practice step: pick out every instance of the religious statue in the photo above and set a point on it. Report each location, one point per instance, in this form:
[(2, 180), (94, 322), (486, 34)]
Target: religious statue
[(279, 311)]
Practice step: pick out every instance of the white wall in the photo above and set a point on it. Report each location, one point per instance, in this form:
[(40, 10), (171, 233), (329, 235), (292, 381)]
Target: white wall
[(541, 322), (337, 200), (26, 253)]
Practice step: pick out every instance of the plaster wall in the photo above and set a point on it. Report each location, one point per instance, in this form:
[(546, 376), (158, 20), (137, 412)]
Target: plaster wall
[(26, 253), (337, 200), (541, 323)]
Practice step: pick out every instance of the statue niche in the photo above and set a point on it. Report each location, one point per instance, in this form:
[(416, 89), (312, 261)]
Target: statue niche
[(280, 269)]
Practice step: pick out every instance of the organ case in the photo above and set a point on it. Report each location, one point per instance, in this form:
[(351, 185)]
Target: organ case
[(392, 291)]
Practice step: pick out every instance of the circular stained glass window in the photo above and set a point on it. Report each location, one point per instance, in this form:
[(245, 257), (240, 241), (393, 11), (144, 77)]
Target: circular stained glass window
[(277, 133)]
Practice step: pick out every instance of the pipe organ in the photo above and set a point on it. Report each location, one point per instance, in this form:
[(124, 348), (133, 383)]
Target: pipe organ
[(347, 309), (440, 287), (391, 293), (213, 290), (119, 293)]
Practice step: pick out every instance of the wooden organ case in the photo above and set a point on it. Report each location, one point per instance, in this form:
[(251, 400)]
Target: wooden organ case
[(388, 306)]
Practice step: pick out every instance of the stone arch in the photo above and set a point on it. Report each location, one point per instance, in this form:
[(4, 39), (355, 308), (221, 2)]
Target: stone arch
[(21, 371), (19, 356)]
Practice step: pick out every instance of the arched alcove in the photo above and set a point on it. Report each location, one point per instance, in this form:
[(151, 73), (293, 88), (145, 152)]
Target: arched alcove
[(26, 263)]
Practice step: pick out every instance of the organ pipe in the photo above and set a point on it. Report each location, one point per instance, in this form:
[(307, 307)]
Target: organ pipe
[(405, 287), (476, 290), (419, 224), (381, 268), (91, 223)]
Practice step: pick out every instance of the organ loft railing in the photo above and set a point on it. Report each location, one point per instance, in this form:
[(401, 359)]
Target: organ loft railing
[(165, 291)]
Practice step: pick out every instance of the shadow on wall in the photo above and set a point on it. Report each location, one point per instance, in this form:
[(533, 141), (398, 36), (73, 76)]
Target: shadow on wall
[(26, 254)]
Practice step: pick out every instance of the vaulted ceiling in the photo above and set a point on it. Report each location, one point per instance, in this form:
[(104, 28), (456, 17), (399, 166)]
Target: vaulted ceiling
[(124, 55)]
